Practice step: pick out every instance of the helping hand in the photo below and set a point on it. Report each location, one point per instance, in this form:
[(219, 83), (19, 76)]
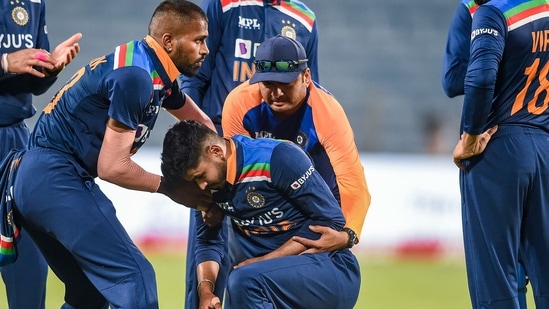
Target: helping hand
[(188, 193), (330, 240), (213, 216)]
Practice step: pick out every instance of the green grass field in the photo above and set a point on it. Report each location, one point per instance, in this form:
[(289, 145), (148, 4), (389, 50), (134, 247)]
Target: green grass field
[(386, 284)]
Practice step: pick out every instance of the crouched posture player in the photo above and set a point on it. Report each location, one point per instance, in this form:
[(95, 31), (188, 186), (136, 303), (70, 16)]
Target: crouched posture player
[(272, 193)]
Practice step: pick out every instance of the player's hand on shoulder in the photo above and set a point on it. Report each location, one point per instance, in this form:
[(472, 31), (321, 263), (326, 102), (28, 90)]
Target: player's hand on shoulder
[(330, 240)]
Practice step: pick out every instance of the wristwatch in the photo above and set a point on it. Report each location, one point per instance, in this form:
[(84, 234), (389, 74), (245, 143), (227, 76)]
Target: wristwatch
[(353, 238)]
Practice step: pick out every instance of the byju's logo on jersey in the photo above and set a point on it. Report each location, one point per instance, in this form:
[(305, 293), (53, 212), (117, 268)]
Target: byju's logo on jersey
[(489, 31), (298, 183), (243, 49)]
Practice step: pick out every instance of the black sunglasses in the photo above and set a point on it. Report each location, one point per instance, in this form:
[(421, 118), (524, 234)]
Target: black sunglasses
[(279, 66)]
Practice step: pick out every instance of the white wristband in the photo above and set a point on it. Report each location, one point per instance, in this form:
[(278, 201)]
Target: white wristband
[(5, 63)]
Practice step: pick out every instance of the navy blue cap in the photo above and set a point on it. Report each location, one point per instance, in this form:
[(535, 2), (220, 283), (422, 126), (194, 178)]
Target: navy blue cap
[(276, 49)]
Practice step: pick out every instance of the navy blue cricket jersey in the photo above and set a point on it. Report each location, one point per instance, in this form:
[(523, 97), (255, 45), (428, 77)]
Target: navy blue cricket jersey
[(116, 86), (275, 193), (494, 80)]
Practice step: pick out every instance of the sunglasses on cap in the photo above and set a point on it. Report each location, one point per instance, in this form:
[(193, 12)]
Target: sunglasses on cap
[(279, 66)]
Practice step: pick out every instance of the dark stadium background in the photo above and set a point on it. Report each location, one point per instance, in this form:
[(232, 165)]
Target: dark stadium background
[(380, 58)]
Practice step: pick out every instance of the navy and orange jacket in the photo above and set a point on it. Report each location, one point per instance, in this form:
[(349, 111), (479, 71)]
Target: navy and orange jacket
[(321, 128)]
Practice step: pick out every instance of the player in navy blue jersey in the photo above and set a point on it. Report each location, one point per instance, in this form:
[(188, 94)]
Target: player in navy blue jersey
[(27, 68), (91, 128), (502, 153), (272, 192), (454, 68), (236, 30)]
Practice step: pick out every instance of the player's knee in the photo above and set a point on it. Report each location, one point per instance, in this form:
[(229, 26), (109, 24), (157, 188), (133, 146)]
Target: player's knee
[(243, 279)]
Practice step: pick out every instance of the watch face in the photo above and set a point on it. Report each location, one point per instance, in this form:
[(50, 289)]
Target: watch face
[(353, 239)]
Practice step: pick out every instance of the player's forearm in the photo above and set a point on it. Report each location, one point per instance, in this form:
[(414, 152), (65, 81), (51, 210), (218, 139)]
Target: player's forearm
[(116, 166), (130, 175), (206, 275), (288, 248)]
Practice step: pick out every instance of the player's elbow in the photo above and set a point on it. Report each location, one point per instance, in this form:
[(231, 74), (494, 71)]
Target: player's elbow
[(108, 173), (451, 90), (453, 86)]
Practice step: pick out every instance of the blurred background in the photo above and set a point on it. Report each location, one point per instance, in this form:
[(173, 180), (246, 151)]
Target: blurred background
[(382, 60)]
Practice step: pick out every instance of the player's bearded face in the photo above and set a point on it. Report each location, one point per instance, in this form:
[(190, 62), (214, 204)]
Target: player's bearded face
[(190, 49), (188, 66)]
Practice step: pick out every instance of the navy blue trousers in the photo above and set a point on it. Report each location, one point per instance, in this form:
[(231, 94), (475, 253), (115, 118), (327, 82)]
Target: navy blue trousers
[(25, 280), (75, 226), (505, 214)]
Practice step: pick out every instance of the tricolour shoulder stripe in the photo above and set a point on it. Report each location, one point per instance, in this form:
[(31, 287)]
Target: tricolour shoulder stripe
[(123, 55), (229, 4), (256, 172), (299, 12), (526, 12), (471, 6)]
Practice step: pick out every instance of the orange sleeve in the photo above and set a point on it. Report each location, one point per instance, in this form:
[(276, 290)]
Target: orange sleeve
[(337, 137), (238, 102)]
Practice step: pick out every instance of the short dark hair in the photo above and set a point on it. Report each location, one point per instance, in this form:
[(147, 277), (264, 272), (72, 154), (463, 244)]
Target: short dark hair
[(182, 10), (182, 148)]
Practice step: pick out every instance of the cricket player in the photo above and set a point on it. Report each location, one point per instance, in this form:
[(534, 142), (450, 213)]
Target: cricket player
[(454, 68), (502, 153), (236, 29), (91, 128), (27, 68), (282, 101), (272, 193)]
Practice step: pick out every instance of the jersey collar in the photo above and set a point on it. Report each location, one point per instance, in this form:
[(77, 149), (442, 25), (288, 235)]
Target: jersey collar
[(231, 163), (164, 58)]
